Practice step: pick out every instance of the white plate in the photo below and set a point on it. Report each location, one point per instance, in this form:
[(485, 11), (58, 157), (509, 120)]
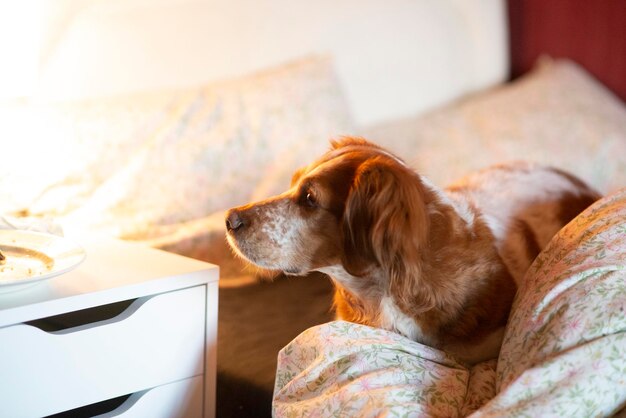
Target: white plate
[(34, 256)]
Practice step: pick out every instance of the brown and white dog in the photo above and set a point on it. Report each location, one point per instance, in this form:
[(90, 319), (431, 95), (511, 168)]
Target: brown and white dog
[(439, 267)]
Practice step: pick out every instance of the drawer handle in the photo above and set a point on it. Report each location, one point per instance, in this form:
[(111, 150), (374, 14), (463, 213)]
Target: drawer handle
[(105, 409), (89, 318), (125, 406), (99, 409)]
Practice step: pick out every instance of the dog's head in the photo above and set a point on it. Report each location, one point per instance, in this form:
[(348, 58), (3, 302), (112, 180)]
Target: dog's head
[(357, 207)]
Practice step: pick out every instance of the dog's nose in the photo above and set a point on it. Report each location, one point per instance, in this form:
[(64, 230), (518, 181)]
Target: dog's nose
[(233, 220)]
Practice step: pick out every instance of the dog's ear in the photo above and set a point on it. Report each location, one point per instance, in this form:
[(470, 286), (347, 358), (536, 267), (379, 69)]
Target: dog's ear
[(385, 221)]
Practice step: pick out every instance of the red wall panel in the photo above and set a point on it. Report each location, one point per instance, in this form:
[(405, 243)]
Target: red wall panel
[(590, 32)]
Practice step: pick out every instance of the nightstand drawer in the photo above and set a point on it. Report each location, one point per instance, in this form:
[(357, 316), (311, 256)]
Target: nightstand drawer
[(181, 399), (155, 341)]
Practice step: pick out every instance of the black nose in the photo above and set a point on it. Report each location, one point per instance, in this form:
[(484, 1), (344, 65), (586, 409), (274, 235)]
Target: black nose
[(233, 220)]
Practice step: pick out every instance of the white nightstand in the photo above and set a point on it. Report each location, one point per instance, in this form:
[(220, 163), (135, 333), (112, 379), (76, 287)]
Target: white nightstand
[(160, 349)]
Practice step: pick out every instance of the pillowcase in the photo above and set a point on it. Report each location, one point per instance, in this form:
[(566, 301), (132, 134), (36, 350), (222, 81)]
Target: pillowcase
[(127, 165), (556, 115), (346, 369), (564, 350)]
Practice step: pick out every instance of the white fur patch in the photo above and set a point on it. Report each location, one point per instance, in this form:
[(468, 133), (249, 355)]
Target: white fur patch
[(460, 206), (393, 319), (281, 230), (496, 226), (338, 273), (501, 193)]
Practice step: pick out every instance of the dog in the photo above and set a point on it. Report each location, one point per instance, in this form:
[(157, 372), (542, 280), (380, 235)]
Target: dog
[(440, 267)]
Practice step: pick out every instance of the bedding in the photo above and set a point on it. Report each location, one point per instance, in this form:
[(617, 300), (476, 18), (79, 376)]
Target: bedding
[(564, 352), (141, 167), (160, 167), (557, 115), (341, 368), (138, 166)]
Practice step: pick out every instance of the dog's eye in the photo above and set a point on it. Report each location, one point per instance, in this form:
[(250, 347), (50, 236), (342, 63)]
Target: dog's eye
[(310, 199)]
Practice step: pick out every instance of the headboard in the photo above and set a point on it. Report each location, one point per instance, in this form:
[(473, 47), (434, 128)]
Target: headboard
[(393, 59), (592, 33)]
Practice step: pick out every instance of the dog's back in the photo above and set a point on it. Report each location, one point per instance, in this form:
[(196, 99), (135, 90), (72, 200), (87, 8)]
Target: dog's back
[(524, 205)]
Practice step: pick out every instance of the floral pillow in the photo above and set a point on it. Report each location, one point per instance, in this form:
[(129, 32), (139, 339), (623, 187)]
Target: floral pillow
[(557, 115), (347, 369), (128, 166), (564, 352)]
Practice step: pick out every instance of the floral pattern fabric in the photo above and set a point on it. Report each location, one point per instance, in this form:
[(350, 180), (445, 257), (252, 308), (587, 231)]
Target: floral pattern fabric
[(564, 352), (138, 166), (162, 167), (345, 369), (528, 120)]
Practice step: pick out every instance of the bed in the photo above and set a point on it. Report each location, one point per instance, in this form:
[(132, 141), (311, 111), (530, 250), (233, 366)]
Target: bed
[(564, 349), (157, 149)]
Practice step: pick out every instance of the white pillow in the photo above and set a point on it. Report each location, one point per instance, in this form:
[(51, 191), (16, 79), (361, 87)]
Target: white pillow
[(557, 115), (125, 165)]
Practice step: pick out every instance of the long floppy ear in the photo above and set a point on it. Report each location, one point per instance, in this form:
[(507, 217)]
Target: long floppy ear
[(385, 222)]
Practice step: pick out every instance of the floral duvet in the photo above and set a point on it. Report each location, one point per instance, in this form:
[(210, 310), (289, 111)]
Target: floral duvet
[(564, 352)]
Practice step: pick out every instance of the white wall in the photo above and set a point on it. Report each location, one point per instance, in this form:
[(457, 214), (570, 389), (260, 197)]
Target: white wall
[(394, 58)]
